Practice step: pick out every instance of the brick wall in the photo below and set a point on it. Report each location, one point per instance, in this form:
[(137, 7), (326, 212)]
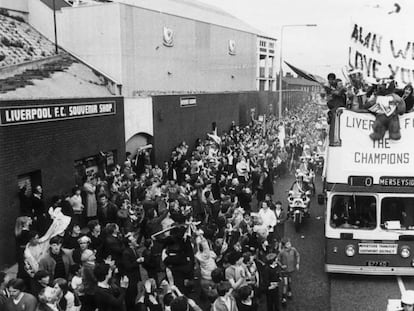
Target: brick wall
[(51, 147), (173, 124)]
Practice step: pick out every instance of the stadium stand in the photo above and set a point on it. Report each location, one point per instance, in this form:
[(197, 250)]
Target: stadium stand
[(21, 43)]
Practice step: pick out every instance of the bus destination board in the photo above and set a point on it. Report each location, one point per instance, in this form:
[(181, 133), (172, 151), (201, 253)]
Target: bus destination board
[(393, 181)]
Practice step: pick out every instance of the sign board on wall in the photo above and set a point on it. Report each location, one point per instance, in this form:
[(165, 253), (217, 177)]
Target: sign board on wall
[(232, 47), (168, 37), (188, 101), (43, 113)]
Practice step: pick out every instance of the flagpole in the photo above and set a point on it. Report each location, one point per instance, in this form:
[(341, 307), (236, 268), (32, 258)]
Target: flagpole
[(280, 74), (281, 63)]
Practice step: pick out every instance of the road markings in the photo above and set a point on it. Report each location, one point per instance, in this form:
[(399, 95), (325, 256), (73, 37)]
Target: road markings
[(400, 284)]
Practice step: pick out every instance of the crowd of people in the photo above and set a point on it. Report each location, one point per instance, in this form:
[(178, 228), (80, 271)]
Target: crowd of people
[(203, 231)]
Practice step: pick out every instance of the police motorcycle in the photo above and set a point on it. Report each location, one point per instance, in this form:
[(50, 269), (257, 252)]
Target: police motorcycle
[(318, 159), (299, 201), (307, 169)]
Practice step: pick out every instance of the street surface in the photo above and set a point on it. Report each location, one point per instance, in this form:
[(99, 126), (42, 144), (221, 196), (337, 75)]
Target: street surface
[(310, 284)]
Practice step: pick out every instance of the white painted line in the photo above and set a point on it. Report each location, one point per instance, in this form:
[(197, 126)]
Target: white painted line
[(400, 284)]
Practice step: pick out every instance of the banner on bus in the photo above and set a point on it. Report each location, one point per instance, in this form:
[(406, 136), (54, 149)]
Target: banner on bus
[(381, 45), (358, 155)]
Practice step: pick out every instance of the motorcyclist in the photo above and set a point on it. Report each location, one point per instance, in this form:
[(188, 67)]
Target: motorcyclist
[(320, 148), (300, 189), (307, 169), (319, 156), (299, 186), (307, 152)]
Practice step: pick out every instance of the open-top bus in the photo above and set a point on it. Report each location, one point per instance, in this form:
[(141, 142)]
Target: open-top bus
[(369, 221)]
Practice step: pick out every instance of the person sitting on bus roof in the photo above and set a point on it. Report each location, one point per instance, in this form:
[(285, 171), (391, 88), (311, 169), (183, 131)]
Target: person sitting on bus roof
[(407, 94)]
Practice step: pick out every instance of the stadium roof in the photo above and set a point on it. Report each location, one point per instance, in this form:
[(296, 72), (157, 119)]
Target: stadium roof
[(30, 69), (195, 10), (19, 42)]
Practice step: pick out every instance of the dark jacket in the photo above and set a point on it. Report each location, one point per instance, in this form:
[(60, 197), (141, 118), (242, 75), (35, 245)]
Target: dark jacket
[(114, 247), (48, 264), (108, 299), (271, 274), (107, 214), (131, 266), (151, 262)]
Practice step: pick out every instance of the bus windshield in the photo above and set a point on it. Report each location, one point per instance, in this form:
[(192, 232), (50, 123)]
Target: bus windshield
[(397, 213), (354, 212)]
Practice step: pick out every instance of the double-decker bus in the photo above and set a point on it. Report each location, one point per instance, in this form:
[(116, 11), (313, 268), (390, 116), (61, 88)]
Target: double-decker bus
[(369, 220)]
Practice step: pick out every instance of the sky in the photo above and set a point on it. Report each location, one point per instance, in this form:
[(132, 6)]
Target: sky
[(319, 50)]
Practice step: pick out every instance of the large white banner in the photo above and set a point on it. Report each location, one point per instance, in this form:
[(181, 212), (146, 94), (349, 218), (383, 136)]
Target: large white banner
[(382, 41), (358, 155)]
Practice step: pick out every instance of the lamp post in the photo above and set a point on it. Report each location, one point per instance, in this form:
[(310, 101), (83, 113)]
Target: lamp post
[(54, 26), (281, 61)]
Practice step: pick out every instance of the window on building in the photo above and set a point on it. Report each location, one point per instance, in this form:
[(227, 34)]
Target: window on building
[(29, 181), (262, 43), (262, 85), (262, 61), (262, 65), (271, 45), (271, 64), (95, 165)]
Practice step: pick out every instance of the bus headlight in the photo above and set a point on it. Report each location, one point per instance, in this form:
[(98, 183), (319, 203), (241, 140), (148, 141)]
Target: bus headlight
[(405, 252), (350, 250)]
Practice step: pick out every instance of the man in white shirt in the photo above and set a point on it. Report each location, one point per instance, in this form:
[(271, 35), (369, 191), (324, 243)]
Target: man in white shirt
[(268, 218)]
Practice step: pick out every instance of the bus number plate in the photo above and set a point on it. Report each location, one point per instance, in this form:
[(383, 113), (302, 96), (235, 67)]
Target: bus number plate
[(378, 263)]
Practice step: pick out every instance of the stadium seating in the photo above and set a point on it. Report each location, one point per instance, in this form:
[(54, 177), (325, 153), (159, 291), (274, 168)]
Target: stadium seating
[(21, 43)]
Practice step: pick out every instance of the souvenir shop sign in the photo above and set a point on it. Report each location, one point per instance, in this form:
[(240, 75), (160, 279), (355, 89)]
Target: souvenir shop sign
[(43, 113), (382, 44)]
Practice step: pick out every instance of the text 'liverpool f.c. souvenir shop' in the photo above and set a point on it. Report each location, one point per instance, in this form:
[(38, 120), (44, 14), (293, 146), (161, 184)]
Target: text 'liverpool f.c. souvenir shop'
[(55, 143)]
